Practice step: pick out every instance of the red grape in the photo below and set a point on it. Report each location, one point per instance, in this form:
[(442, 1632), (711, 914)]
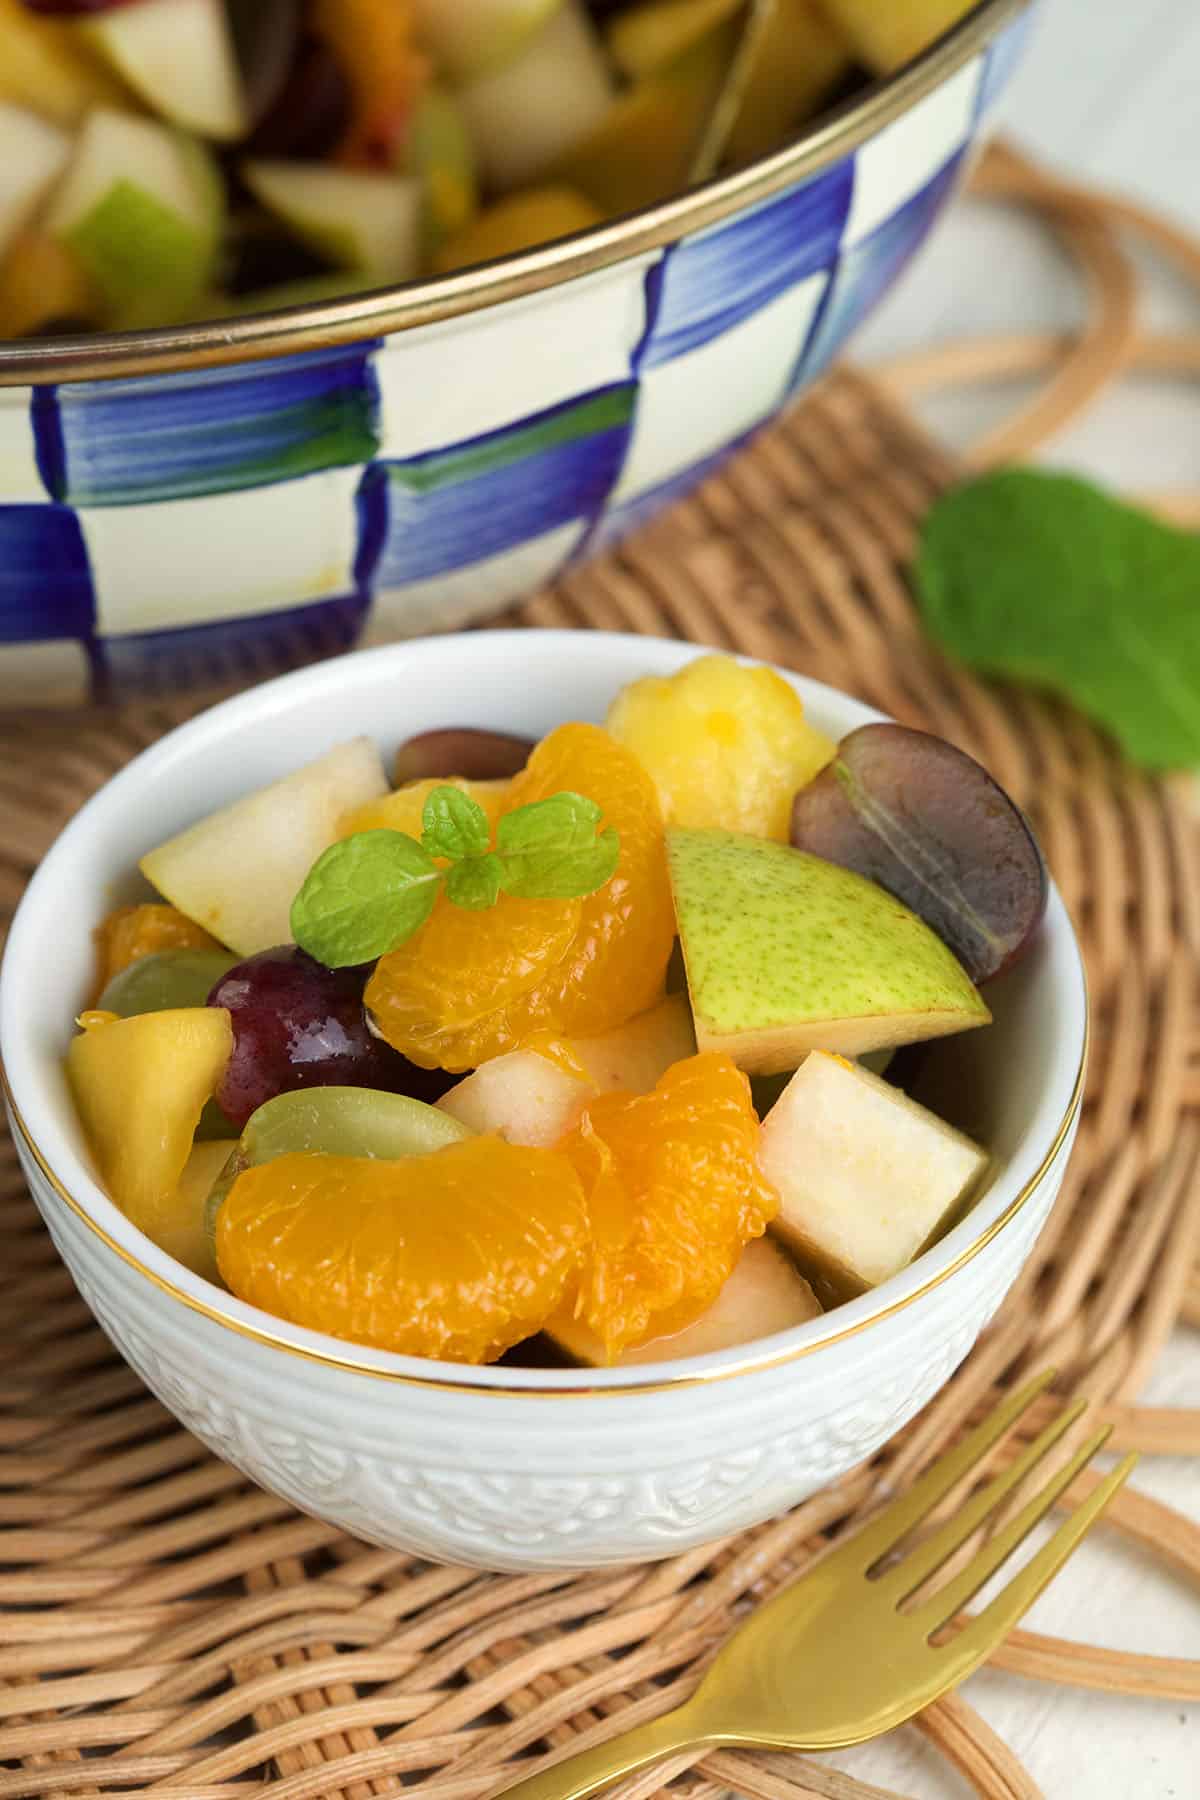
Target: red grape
[(297, 1024), (929, 824)]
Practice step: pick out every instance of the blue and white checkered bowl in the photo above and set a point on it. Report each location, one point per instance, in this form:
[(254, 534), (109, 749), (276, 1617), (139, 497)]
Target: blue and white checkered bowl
[(200, 504)]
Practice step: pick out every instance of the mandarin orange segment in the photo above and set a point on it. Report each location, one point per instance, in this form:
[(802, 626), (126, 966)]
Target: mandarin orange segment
[(443, 999), (132, 932), (457, 1254), (470, 986), (619, 960), (674, 1190)]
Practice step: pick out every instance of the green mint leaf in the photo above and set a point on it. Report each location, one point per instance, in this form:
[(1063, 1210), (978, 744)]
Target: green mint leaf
[(562, 874), (454, 824), (474, 883), (1046, 579), (363, 897), (563, 822)]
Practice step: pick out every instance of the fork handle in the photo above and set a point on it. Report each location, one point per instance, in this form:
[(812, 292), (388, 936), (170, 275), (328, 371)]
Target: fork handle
[(590, 1770)]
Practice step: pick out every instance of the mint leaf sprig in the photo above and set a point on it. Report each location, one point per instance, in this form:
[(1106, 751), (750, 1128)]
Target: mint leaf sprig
[(370, 892)]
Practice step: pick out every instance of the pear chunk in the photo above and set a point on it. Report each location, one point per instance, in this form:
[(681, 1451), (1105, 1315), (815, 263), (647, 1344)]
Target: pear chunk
[(787, 953), (867, 1178), (766, 1293), (532, 1100), (238, 871)]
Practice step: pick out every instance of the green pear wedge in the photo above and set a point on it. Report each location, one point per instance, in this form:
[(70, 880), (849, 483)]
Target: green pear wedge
[(787, 953)]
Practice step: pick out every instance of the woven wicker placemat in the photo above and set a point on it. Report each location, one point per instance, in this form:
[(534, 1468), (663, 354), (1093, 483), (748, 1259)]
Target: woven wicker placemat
[(164, 1624)]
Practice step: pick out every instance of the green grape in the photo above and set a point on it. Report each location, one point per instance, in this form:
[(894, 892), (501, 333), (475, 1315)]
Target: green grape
[(340, 1121), (167, 979)]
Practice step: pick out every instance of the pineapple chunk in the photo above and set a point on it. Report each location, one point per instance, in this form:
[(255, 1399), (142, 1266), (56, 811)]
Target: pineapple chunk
[(726, 743), (402, 810), (140, 1086)]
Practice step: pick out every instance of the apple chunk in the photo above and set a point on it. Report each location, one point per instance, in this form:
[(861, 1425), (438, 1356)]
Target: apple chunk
[(766, 1293), (531, 1100), (238, 871), (867, 1178)]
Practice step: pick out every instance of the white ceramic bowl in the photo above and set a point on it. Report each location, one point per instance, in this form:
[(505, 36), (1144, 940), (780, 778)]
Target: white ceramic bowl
[(502, 1467)]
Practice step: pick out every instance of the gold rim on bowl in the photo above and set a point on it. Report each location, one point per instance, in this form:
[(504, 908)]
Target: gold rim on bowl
[(317, 325), (747, 1365)]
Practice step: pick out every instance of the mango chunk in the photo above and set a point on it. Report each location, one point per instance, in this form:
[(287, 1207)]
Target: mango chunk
[(140, 1085)]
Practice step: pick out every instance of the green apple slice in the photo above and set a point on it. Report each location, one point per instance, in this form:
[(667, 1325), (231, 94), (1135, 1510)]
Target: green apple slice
[(33, 152), (867, 1178), (524, 117), (468, 37), (178, 55), (787, 953), (140, 208), (765, 1293), (237, 871), (355, 218)]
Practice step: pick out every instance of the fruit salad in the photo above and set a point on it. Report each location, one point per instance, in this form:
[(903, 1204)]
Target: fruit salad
[(174, 160), (575, 1050)]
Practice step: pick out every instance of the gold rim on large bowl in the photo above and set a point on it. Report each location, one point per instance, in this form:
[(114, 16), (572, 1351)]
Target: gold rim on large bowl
[(99, 355)]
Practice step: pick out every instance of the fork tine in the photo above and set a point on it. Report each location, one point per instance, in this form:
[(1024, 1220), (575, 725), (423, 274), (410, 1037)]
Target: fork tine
[(900, 1516), (999, 1616), (918, 1566), (950, 1599)]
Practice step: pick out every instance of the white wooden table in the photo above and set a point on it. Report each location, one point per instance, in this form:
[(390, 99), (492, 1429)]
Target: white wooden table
[(1110, 92)]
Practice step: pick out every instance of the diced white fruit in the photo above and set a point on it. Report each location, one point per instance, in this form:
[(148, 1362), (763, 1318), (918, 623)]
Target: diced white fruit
[(238, 871), (465, 37), (867, 1178), (359, 219), (634, 1055), (140, 208), (524, 1097), (179, 56), (766, 1293), (529, 1099), (32, 153), (527, 114)]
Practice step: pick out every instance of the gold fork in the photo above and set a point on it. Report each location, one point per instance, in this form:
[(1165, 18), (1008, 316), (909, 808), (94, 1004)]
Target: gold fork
[(832, 1660)]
